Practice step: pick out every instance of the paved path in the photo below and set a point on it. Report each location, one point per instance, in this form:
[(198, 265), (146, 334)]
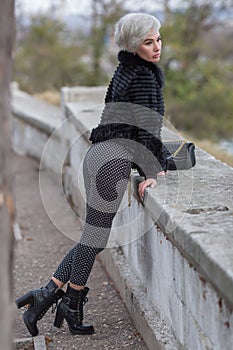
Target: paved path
[(36, 257)]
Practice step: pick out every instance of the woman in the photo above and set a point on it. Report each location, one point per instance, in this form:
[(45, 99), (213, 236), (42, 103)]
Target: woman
[(128, 136)]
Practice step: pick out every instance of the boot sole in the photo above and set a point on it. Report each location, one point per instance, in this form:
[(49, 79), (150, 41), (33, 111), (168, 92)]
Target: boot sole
[(80, 332)]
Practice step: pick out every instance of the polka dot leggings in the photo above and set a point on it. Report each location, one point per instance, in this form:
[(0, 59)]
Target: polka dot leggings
[(106, 170)]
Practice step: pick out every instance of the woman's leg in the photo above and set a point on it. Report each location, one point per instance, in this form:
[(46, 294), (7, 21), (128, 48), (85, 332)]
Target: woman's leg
[(106, 172)]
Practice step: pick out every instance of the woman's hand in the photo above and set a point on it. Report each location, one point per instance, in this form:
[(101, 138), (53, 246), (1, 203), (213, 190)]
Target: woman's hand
[(162, 173), (144, 184)]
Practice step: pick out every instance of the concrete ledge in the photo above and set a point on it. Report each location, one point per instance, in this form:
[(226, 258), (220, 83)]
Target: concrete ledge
[(83, 94), (40, 114), (191, 219), (148, 321)]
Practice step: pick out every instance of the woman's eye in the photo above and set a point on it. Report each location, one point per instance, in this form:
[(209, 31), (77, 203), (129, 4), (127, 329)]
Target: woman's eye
[(148, 43)]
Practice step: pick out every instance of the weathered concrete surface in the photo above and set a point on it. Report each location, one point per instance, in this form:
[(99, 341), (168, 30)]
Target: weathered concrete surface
[(40, 114), (179, 246)]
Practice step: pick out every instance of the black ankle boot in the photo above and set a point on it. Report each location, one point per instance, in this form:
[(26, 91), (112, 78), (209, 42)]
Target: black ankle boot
[(71, 308), (39, 300)]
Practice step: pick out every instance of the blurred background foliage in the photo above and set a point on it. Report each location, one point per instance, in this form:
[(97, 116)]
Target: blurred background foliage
[(196, 59)]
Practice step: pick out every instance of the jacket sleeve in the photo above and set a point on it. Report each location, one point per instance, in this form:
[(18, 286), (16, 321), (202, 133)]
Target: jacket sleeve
[(146, 103)]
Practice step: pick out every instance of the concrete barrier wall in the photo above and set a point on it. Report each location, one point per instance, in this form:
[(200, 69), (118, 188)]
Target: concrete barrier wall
[(171, 259)]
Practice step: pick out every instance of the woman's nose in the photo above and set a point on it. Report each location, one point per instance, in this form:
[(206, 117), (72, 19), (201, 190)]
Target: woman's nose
[(156, 46)]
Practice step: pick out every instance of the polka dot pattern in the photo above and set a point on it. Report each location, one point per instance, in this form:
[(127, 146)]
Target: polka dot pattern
[(106, 170)]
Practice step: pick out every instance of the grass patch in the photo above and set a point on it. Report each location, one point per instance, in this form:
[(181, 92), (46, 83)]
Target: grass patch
[(53, 97), (216, 151), (212, 148)]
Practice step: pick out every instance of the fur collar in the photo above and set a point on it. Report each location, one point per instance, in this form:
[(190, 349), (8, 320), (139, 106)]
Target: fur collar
[(129, 58)]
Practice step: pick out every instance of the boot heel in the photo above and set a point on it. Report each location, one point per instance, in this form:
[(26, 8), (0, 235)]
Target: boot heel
[(59, 318), (24, 300)]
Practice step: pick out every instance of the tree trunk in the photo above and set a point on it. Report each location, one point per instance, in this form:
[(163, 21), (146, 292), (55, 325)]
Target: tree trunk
[(6, 196), (97, 43)]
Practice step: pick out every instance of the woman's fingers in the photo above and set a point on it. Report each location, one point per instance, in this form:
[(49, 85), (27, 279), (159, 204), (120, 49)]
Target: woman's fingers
[(141, 189), (144, 184), (161, 173)]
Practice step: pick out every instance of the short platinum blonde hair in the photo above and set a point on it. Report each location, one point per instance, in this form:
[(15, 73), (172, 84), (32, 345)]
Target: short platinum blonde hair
[(132, 29)]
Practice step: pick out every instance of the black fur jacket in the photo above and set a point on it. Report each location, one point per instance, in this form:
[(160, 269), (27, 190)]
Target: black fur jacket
[(133, 113)]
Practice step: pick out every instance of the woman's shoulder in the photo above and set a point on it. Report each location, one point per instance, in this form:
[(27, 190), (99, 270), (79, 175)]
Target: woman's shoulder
[(124, 76), (132, 73)]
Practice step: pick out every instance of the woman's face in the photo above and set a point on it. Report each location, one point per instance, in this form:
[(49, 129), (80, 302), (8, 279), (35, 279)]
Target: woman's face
[(150, 48)]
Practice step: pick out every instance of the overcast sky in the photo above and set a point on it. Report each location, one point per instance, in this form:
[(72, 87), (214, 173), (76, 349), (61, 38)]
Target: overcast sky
[(72, 6), (34, 6)]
